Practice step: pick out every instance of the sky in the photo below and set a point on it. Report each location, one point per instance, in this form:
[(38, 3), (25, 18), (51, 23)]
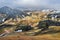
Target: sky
[(31, 3)]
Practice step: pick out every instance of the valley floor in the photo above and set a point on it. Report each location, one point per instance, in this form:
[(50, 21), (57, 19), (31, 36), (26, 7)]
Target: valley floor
[(20, 36), (54, 36)]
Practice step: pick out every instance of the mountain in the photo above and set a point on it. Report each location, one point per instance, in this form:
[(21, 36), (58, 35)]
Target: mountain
[(8, 13), (33, 8), (11, 12), (6, 10)]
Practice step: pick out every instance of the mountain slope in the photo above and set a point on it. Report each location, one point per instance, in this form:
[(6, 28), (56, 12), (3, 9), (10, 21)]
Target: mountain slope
[(11, 12)]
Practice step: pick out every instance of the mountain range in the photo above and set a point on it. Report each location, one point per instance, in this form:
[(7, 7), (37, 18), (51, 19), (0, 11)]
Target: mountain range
[(11, 13)]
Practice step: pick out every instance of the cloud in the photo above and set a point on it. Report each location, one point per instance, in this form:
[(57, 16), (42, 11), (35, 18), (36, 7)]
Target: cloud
[(31, 3), (27, 2)]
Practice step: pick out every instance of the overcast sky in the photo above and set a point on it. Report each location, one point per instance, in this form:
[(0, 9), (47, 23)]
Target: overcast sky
[(31, 3)]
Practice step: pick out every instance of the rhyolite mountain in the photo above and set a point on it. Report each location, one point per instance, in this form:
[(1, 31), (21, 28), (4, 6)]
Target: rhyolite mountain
[(11, 12)]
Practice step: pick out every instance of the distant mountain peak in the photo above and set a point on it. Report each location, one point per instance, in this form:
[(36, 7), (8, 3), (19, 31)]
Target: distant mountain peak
[(11, 12), (6, 7)]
